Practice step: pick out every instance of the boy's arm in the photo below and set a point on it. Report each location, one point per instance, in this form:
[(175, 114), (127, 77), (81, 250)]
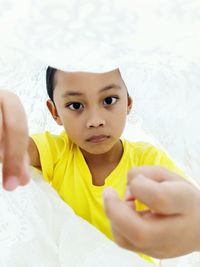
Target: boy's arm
[(34, 157)]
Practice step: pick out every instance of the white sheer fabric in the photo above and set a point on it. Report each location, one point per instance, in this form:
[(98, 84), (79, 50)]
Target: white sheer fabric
[(38, 229), (156, 45)]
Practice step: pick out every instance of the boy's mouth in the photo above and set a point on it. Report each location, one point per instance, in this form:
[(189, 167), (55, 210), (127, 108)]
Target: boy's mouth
[(97, 138)]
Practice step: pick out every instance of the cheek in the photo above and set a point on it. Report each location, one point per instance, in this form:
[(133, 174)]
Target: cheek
[(118, 121), (72, 127), (120, 113)]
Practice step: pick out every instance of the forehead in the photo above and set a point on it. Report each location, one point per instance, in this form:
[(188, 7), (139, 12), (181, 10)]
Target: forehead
[(78, 80)]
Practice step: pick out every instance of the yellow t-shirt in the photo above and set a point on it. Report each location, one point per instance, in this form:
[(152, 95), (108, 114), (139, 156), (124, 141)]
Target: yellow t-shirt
[(64, 166)]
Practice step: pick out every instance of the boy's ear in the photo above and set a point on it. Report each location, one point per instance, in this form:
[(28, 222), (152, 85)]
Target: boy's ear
[(53, 111), (130, 104)]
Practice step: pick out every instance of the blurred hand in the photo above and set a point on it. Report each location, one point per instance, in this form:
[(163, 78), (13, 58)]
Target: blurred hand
[(13, 141), (171, 226)]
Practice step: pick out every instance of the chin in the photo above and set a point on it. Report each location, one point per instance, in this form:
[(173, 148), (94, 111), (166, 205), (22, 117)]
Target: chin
[(97, 150)]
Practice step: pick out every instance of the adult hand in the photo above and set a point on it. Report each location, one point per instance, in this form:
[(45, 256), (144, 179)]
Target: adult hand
[(13, 141), (171, 226)]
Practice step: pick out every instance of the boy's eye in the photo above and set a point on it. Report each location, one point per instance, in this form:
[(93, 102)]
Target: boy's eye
[(75, 106), (110, 100)]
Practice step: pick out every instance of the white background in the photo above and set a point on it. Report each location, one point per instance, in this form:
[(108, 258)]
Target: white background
[(156, 44)]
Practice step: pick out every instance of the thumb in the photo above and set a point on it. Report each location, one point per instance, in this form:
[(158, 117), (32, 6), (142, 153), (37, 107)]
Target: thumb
[(111, 201), (123, 218)]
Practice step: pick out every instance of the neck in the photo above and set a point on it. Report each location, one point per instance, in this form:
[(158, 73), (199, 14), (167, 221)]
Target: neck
[(113, 156)]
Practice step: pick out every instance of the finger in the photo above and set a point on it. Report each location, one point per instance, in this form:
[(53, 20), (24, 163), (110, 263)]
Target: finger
[(121, 240), (155, 173), (163, 198), (124, 219), (160, 230), (128, 195), (1, 137), (15, 138), (139, 233), (25, 175), (1, 127)]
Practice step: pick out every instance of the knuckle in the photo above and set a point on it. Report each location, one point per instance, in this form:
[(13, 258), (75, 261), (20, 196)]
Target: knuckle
[(159, 200), (159, 169), (135, 183), (133, 172)]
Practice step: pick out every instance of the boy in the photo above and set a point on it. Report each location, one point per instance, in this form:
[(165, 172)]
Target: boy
[(89, 155)]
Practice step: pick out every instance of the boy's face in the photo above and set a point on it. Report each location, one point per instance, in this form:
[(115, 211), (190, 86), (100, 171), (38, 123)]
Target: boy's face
[(92, 107)]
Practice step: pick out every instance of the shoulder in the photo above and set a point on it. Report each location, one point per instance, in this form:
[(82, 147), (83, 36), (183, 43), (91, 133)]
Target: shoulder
[(146, 153), (47, 137), (52, 143), (140, 147), (149, 154)]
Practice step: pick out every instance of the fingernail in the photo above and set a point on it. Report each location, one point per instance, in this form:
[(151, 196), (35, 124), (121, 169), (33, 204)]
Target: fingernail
[(11, 183), (128, 195), (108, 192)]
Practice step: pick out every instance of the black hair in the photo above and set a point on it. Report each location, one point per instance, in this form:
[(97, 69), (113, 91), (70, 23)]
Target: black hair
[(50, 73)]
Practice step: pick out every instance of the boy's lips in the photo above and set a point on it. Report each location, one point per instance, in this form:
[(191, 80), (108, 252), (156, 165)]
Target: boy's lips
[(97, 138)]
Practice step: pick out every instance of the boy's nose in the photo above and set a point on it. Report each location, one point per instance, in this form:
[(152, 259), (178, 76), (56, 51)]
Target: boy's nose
[(95, 121)]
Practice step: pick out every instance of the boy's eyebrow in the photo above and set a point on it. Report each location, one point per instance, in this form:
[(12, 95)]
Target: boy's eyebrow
[(110, 86), (105, 88), (71, 93)]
